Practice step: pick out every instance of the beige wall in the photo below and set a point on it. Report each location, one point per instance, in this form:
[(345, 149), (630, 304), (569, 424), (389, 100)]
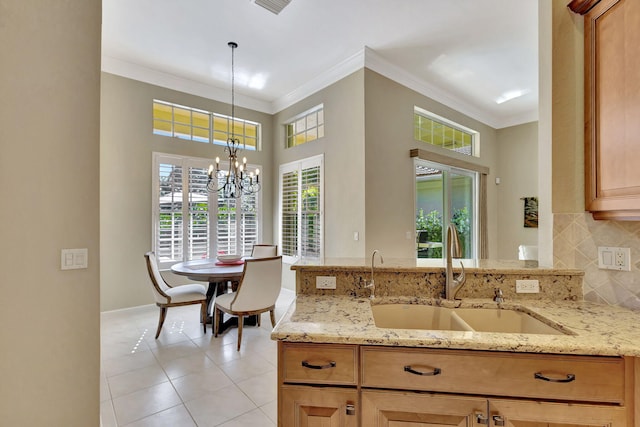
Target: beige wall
[(518, 172), (126, 148), (49, 182), (343, 149), (390, 197)]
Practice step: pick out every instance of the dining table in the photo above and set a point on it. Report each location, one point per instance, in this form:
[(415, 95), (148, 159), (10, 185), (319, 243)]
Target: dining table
[(218, 274)]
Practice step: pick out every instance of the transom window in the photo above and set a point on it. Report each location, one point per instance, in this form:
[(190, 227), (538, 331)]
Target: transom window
[(305, 127), (441, 132), (197, 125)]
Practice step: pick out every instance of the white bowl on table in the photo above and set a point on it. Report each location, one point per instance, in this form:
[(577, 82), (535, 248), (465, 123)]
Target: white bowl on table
[(229, 259)]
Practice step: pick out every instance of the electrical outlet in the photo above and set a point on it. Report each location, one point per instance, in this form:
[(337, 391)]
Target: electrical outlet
[(527, 287), (612, 258), (325, 282)]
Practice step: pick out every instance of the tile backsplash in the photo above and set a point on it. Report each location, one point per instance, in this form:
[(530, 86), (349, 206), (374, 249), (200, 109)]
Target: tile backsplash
[(576, 238)]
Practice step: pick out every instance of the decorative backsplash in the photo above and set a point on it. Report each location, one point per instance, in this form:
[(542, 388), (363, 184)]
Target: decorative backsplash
[(429, 282), (576, 238)]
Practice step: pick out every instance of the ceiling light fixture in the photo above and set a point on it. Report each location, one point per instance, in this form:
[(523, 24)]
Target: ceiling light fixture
[(235, 181)]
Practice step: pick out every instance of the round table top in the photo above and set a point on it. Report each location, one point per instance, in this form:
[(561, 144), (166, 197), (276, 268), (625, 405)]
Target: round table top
[(208, 270)]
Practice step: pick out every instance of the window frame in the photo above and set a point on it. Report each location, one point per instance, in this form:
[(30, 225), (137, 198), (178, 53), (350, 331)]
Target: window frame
[(475, 135), (185, 162), (292, 123), (299, 166), (212, 131)]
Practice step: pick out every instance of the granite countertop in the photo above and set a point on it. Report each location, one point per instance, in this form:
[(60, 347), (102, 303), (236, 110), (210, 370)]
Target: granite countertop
[(596, 329)]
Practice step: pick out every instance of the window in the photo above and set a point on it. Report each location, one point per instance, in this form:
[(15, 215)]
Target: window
[(185, 213), (443, 133), (202, 126), (445, 195), (306, 127), (301, 209)]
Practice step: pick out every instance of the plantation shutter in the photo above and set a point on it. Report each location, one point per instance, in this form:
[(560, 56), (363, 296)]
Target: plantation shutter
[(168, 203), (301, 215), (189, 221), (198, 224)]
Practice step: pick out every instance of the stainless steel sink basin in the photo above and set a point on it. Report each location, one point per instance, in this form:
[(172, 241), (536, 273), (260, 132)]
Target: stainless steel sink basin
[(428, 317)]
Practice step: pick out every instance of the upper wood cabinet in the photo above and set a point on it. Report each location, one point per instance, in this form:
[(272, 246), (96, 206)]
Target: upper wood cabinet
[(612, 107)]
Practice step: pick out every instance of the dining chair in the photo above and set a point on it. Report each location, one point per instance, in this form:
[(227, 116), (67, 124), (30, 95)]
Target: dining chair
[(257, 292), (172, 296), (261, 250)]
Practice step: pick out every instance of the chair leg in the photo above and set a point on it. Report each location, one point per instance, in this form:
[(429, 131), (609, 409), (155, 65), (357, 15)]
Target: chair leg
[(203, 315), (259, 316), (163, 314), (216, 321), (240, 323), (273, 317)]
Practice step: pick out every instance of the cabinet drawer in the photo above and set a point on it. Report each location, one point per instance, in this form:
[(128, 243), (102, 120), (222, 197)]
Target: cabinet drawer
[(577, 378), (319, 363)]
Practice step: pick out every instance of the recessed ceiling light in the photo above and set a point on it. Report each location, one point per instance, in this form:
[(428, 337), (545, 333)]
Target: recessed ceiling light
[(512, 94)]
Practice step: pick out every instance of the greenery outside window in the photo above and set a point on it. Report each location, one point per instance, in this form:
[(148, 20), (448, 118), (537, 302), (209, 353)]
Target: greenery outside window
[(443, 133), (305, 127), (197, 125)]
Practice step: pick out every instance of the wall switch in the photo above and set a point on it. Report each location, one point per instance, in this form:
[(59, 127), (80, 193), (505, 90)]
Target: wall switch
[(527, 287), (356, 236), (73, 259), (612, 258), (325, 282)]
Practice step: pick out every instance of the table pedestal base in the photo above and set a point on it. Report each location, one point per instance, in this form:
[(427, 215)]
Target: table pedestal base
[(219, 288)]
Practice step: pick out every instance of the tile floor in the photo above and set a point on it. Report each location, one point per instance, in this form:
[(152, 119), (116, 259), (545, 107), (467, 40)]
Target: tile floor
[(186, 378)]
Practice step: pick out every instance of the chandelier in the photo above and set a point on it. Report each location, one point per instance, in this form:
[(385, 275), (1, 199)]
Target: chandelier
[(235, 180)]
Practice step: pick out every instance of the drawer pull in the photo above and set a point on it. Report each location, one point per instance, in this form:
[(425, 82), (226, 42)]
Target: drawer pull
[(436, 371), (498, 420), (568, 379), (306, 364)]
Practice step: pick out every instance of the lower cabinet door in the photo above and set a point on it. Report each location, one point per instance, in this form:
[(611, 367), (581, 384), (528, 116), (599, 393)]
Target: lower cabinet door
[(512, 413), (413, 409), (306, 406)]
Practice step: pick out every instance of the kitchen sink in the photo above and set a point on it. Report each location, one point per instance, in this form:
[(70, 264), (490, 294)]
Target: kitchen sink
[(429, 317), (504, 321), (416, 316)]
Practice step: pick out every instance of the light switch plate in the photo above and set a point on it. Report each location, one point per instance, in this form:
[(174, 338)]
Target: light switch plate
[(73, 259)]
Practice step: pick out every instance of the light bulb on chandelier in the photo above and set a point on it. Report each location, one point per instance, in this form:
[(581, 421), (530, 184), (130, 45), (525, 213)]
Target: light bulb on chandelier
[(234, 181)]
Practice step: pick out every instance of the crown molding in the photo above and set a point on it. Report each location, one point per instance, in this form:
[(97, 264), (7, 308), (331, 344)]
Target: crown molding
[(169, 81), (367, 57)]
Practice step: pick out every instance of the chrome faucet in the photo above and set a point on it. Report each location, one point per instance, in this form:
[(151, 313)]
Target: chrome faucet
[(372, 284), (454, 250)]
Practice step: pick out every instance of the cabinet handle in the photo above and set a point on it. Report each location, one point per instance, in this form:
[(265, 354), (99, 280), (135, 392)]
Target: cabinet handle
[(498, 420), (306, 364), (436, 371), (568, 379), (351, 409), (481, 419)]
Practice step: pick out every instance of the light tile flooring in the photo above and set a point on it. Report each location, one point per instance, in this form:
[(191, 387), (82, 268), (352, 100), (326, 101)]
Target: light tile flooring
[(186, 378)]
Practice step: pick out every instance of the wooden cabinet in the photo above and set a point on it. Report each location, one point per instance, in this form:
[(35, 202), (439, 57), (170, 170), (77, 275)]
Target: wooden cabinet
[(612, 107), (302, 406), (358, 385)]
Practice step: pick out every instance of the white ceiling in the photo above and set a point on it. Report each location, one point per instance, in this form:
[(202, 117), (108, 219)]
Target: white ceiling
[(463, 53)]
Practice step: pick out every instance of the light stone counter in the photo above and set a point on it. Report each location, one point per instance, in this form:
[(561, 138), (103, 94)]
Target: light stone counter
[(598, 329)]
